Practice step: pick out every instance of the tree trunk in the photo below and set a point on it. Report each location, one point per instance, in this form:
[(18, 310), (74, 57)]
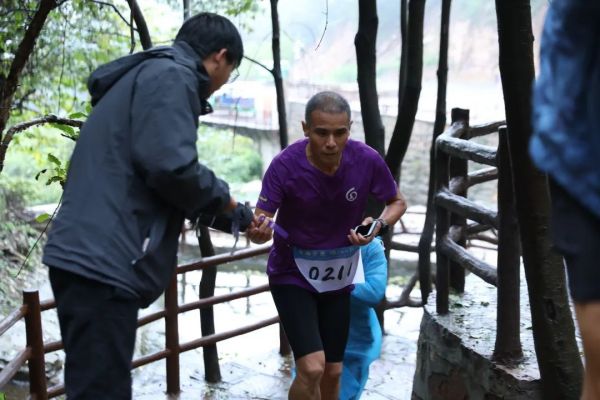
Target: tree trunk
[(410, 101), (187, 11), (9, 84), (553, 329), (438, 127), (140, 22), (212, 371), (403, 51), (366, 63), (276, 71)]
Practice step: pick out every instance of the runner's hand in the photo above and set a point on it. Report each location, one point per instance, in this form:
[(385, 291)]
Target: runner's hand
[(359, 240), (259, 230)]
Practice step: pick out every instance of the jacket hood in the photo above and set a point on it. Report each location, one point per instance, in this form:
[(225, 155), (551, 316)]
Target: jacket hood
[(103, 78)]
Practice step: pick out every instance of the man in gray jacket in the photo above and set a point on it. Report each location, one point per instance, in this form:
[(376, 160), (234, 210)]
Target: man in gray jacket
[(134, 176)]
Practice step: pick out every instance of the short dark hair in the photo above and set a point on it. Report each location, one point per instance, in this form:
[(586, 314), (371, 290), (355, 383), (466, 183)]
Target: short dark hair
[(208, 32), (328, 102)]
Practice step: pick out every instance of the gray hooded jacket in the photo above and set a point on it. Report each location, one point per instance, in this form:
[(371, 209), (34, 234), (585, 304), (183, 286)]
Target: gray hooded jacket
[(134, 173)]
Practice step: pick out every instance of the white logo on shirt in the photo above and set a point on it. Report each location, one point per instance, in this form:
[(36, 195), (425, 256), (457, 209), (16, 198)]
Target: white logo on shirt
[(351, 194)]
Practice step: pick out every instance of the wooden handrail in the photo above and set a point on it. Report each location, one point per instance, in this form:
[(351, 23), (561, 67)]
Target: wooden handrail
[(14, 365), (466, 208), (458, 254), (217, 337), (485, 129), (12, 318), (223, 259), (467, 150), (209, 301)]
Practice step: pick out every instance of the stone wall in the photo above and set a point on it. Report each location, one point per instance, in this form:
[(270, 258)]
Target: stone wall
[(454, 359)]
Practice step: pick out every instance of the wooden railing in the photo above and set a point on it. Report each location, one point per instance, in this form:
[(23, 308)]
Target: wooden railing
[(34, 352), (453, 209)]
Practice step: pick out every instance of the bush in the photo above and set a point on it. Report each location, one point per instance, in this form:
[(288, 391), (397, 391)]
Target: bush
[(18, 235)]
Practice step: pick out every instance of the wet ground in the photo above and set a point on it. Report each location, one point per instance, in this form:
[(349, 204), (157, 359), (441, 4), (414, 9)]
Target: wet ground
[(252, 368)]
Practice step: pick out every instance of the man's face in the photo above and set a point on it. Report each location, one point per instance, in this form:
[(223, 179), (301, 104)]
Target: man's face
[(219, 70), (327, 135)]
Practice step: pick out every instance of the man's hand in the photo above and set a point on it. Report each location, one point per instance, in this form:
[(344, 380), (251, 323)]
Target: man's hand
[(259, 230)]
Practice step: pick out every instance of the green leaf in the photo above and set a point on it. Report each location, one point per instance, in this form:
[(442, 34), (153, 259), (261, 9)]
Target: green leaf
[(37, 176), (78, 114), (65, 128), (43, 217), (53, 179), (52, 158)]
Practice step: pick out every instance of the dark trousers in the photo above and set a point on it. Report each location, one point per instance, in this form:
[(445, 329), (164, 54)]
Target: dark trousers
[(576, 235), (97, 325)]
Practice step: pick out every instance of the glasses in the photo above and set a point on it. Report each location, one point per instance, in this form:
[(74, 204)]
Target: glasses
[(234, 75)]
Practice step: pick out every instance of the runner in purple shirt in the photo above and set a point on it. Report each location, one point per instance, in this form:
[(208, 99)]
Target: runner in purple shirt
[(319, 188)]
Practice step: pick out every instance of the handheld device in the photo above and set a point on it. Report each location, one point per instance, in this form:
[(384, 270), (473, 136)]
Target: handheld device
[(366, 230)]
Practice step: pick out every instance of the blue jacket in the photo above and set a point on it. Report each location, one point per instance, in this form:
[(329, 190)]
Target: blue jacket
[(134, 174), (364, 337), (566, 114)]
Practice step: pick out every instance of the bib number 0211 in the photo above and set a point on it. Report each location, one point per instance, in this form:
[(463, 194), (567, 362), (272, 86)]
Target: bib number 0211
[(330, 273)]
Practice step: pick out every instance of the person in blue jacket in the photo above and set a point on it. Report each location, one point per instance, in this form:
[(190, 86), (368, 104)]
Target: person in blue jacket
[(566, 145), (364, 337)]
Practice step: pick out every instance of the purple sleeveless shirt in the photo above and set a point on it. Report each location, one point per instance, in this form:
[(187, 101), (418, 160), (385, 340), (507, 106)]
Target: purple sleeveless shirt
[(315, 209)]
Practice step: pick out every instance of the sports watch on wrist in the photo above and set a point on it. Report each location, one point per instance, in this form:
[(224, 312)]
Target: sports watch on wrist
[(383, 226)]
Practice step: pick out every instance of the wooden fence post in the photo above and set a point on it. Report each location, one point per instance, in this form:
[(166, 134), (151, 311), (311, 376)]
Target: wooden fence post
[(459, 170), (35, 341), (172, 336)]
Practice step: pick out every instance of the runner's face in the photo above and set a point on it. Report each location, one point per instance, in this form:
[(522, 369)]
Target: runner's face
[(327, 135)]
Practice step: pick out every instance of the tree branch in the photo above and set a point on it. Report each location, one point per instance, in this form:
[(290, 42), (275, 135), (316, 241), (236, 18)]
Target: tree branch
[(259, 64), (140, 22), (10, 84), (12, 131), (115, 9), (326, 23)]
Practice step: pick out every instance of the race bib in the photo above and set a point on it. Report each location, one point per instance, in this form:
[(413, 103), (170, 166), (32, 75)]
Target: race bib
[(333, 269)]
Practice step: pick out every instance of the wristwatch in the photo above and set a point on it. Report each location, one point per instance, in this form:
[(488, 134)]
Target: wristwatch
[(383, 226)]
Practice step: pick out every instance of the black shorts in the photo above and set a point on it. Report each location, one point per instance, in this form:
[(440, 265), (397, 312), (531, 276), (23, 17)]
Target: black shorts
[(576, 235), (313, 321)]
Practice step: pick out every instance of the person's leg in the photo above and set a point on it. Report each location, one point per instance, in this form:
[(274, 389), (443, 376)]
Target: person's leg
[(97, 324), (576, 235), (334, 321), (297, 309), (309, 372), (588, 316)]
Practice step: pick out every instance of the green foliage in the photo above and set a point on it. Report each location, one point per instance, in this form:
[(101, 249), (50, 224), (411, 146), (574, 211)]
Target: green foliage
[(36, 152), (77, 37), (17, 237), (57, 172), (232, 8), (232, 157)]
